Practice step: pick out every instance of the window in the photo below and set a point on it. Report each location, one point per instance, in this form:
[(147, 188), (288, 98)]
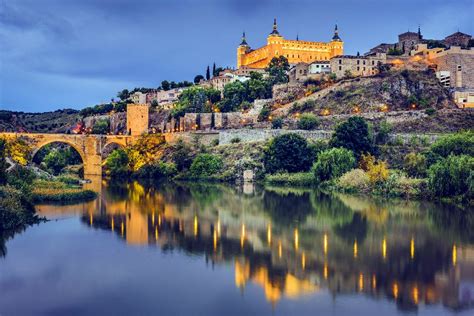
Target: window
[(363, 62), (340, 67), (459, 67), (358, 68), (373, 62), (340, 61), (358, 61)]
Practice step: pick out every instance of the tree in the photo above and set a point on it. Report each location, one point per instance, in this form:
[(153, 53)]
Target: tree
[(154, 104), (415, 165), (461, 143), (198, 79), (288, 152), (123, 95), (182, 155), (173, 85), (3, 162), (333, 163), (206, 165), (308, 121), (208, 73), (452, 176), (277, 70), (353, 134), (55, 161), (101, 127), (165, 85), (117, 163), (214, 70), (19, 151)]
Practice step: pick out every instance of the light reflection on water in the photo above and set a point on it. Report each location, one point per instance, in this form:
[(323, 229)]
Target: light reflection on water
[(294, 243)]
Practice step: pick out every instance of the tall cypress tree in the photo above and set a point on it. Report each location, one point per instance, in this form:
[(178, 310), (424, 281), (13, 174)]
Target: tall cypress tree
[(214, 70), (208, 73)]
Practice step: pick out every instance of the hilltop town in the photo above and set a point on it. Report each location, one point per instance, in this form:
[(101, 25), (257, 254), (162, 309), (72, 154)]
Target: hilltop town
[(404, 82)]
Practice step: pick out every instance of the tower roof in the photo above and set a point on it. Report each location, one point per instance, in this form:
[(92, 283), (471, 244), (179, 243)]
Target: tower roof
[(275, 31), (336, 34), (244, 41)]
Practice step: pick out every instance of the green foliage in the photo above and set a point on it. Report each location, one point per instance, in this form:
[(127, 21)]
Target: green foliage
[(19, 151), (123, 95), (21, 179), (415, 165), (355, 180), (333, 163), (461, 143), (394, 52), (101, 127), (97, 110), (353, 134), (308, 122), (383, 131), (198, 79), (291, 179), (235, 140), (182, 155), (302, 107), (277, 70), (16, 210), (264, 114), (65, 197), (117, 163), (277, 123), (3, 162), (157, 170), (205, 165), (289, 152), (55, 161), (452, 176), (398, 184), (196, 100)]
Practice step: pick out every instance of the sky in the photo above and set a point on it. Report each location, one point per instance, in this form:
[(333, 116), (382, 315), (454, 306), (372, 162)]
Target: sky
[(58, 54)]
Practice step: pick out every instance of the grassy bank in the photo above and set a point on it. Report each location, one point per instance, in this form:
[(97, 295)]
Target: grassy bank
[(58, 191)]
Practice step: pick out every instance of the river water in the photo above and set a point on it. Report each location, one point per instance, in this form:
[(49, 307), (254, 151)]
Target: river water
[(189, 249)]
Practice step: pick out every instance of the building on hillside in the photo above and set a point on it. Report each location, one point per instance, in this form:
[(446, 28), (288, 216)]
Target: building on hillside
[(160, 96), (319, 67), (138, 97), (137, 119), (225, 77), (356, 66), (458, 39), (298, 72), (296, 51), (245, 71)]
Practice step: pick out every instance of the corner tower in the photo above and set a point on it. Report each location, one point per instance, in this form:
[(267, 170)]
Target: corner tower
[(137, 119), (242, 50), (336, 44)]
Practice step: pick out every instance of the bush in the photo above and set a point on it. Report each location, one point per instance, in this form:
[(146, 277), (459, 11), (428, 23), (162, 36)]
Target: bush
[(353, 134), (157, 170), (289, 152), (101, 127), (398, 185), (333, 163), (235, 140), (293, 179), (205, 165), (182, 156), (430, 111), (3, 162), (452, 176), (15, 209), (415, 165), (377, 172), (355, 180), (264, 114), (277, 123), (461, 143), (308, 122), (215, 142), (117, 163), (21, 179), (383, 132)]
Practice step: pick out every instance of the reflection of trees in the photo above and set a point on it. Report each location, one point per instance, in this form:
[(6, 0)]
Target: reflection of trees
[(287, 209), (330, 209), (356, 229), (454, 221)]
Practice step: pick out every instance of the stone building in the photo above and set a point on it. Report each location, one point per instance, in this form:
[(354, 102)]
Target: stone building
[(137, 119), (245, 71), (356, 65), (319, 67), (408, 40), (298, 72), (458, 39), (296, 51)]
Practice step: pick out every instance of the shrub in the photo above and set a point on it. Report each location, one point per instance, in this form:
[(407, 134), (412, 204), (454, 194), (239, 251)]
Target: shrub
[(365, 161), (355, 180), (398, 185), (452, 176), (461, 143), (215, 142), (333, 163), (353, 134), (264, 114), (205, 165), (182, 155), (21, 178), (289, 152), (101, 127), (157, 170), (277, 123), (308, 122), (430, 111), (415, 165), (15, 209), (3, 162), (235, 140), (377, 172), (383, 132), (294, 179), (117, 163)]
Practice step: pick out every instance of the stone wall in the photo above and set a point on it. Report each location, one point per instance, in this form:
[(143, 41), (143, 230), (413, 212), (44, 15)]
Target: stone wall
[(258, 135), (287, 92), (137, 119), (205, 138)]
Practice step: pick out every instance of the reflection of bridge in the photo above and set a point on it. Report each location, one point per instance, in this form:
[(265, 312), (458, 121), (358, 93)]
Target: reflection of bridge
[(89, 147)]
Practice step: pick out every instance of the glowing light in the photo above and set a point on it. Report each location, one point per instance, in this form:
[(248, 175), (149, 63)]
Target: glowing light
[(218, 227), (355, 249), (383, 108), (413, 106), (269, 234), (215, 239), (303, 261), (242, 236), (415, 294), (112, 224), (156, 233), (455, 255), (412, 248), (325, 244), (279, 249), (325, 112), (395, 290), (361, 282), (122, 228), (374, 281), (159, 219), (296, 239), (195, 225), (153, 218), (91, 219), (325, 271), (384, 248)]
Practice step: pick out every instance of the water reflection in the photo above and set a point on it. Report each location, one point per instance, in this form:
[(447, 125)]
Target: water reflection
[(293, 243)]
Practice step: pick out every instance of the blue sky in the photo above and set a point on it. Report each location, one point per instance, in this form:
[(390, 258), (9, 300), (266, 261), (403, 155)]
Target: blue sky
[(76, 53)]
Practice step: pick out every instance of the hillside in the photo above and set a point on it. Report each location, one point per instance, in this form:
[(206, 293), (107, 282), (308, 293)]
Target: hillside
[(48, 122)]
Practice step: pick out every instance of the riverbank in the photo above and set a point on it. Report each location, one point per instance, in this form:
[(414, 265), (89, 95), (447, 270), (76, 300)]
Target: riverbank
[(60, 192)]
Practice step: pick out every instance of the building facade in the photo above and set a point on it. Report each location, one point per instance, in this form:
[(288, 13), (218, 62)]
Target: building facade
[(296, 51), (137, 119), (357, 65)]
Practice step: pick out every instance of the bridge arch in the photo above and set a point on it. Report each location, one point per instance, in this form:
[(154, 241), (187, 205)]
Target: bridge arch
[(109, 147), (40, 145)]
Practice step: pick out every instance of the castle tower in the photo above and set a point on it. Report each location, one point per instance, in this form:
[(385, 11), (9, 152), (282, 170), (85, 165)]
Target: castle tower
[(242, 50), (137, 119), (337, 45)]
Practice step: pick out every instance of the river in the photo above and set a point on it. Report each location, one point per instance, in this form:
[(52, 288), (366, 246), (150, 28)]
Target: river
[(189, 249)]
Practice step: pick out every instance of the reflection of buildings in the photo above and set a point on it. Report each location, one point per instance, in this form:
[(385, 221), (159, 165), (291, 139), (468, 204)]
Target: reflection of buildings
[(399, 260)]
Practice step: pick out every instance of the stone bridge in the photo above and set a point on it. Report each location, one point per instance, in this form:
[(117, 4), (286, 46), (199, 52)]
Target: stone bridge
[(90, 147)]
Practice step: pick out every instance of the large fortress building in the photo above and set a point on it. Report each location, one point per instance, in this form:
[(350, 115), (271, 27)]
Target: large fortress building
[(295, 51)]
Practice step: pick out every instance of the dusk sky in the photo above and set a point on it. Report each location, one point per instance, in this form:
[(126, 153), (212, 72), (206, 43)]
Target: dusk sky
[(76, 53)]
